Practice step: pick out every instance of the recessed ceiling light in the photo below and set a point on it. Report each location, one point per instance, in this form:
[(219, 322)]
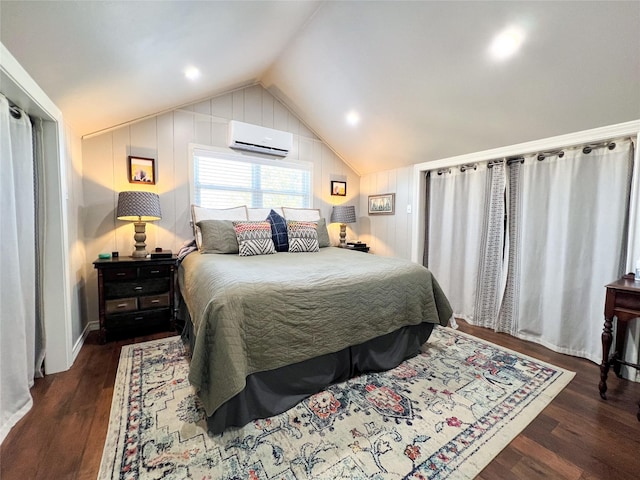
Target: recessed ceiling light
[(192, 73), (506, 43), (353, 118)]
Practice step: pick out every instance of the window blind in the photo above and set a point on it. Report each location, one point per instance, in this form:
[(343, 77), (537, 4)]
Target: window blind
[(224, 180)]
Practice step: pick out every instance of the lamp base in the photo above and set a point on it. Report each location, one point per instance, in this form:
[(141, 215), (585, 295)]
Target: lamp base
[(343, 235), (140, 237)]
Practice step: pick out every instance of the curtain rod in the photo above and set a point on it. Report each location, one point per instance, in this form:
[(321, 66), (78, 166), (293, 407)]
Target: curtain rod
[(15, 111), (586, 149)]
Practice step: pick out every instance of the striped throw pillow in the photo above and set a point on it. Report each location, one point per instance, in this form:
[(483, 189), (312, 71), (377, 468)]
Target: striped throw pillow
[(254, 238), (303, 236)]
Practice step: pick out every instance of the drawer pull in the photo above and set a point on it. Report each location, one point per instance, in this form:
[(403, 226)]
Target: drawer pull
[(122, 305), (155, 301), (137, 288), (155, 271), (121, 274), (139, 318)]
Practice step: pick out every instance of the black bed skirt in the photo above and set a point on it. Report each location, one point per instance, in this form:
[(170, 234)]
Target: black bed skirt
[(275, 391)]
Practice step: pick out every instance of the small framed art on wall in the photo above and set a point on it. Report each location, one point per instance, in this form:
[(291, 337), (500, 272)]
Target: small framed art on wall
[(338, 188), (383, 204), (142, 170)]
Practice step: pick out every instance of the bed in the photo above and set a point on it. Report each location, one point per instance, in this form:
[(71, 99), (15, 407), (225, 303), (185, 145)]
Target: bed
[(266, 331)]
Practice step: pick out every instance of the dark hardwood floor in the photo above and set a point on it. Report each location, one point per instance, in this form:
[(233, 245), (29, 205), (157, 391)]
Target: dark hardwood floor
[(578, 436)]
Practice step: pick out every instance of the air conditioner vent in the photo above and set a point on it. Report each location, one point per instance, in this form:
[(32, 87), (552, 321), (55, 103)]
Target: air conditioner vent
[(254, 138)]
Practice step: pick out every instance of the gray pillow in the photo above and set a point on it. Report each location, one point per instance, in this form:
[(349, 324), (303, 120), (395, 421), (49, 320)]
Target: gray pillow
[(323, 233), (218, 236)]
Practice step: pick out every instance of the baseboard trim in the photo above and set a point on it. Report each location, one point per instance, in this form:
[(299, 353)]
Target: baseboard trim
[(80, 342)]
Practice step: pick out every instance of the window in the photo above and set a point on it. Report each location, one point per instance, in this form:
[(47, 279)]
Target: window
[(225, 180)]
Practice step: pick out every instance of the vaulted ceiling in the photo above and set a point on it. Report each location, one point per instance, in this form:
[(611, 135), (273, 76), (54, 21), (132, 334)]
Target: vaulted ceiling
[(419, 74)]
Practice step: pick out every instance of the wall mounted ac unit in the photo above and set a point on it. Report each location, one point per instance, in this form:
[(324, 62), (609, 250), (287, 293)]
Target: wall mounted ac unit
[(244, 136)]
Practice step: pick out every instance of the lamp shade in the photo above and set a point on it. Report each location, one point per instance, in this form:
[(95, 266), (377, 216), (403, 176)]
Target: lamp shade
[(343, 214), (138, 206)]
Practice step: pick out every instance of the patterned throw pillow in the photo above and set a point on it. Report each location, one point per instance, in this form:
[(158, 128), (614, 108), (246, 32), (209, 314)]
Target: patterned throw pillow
[(254, 238), (278, 231), (303, 236)]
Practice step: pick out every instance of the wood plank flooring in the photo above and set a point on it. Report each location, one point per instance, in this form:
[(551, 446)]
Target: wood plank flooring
[(578, 436)]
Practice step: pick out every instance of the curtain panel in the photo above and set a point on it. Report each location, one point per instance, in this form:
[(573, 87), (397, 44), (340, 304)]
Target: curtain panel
[(17, 292), (40, 212), (555, 229), (491, 276), (456, 218), (567, 240), (632, 347)]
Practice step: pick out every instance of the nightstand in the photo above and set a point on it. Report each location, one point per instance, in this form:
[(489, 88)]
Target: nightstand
[(136, 296)]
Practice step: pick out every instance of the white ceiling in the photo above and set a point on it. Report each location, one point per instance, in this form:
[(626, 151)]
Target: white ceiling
[(418, 73)]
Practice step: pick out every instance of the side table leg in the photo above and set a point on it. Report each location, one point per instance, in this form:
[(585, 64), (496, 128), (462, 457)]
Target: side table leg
[(604, 366), (618, 354)]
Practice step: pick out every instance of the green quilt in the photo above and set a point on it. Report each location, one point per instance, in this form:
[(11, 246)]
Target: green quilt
[(259, 313)]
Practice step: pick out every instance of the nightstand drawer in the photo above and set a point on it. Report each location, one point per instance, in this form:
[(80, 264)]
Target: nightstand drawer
[(152, 271), (120, 305), (111, 274), (138, 319), (128, 289), (155, 301)]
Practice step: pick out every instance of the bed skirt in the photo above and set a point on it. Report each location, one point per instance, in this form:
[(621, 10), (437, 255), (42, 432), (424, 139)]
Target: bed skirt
[(272, 392)]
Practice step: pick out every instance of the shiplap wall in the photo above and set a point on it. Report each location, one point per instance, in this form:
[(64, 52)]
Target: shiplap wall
[(388, 235), (166, 137), (75, 235)]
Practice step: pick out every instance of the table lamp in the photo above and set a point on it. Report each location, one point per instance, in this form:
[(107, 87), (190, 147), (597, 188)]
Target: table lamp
[(139, 207), (343, 214)]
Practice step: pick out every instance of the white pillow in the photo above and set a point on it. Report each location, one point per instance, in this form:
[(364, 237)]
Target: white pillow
[(260, 214), (201, 213), (302, 214)]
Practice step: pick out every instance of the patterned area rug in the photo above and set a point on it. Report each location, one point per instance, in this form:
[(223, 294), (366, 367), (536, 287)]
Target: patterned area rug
[(446, 412)]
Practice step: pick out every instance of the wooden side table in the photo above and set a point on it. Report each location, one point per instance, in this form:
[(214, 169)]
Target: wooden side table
[(136, 295), (623, 303)]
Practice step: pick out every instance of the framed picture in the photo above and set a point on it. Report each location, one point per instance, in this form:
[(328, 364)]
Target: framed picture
[(384, 204), (338, 188), (142, 170)]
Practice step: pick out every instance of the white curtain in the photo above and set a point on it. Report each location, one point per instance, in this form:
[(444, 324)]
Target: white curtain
[(456, 216), (40, 216), (17, 267), (568, 223), (632, 348)]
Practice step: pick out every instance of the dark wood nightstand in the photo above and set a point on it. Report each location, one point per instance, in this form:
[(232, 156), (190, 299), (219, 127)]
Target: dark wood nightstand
[(136, 295)]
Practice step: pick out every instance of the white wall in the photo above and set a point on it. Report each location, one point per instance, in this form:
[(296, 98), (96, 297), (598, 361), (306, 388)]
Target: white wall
[(75, 232), (388, 235), (166, 137)]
